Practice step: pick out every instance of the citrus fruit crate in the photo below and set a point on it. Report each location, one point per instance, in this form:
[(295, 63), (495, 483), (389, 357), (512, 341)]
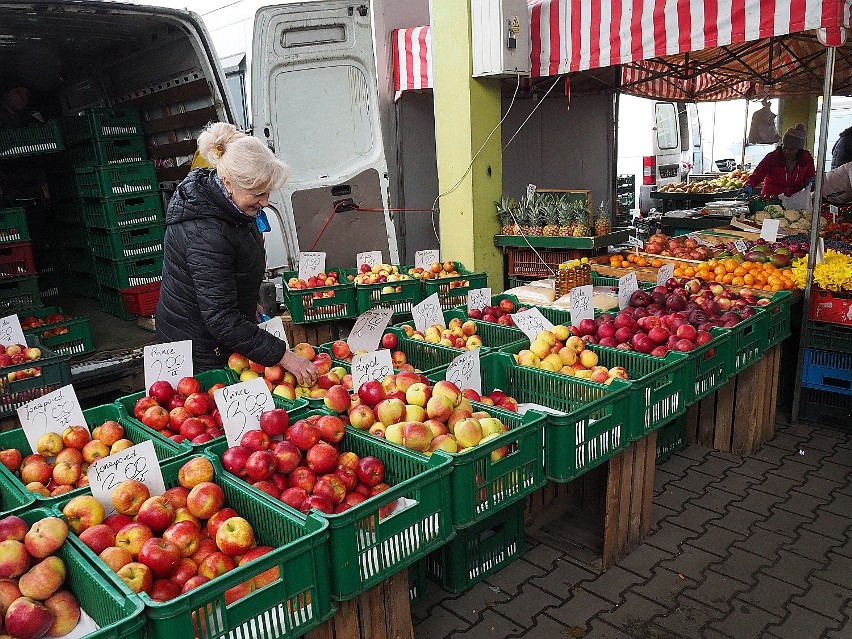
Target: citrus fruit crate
[(102, 124), (708, 366), (118, 613), (19, 292), (165, 449), (16, 259), (305, 308), (14, 498), (122, 212), (31, 140), (369, 296), (424, 360), (452, 291), (367, 546), (13, 225), (775, 323), (53, 369), (671, 438), (828, 337), (75, 339), (142, 299), (585, 424), (827, 371), (108, 151), (112, 302), (288, 607), (130, 271), (124, 243), (748, 342), (132, 178), (479, 551), (207, 379)]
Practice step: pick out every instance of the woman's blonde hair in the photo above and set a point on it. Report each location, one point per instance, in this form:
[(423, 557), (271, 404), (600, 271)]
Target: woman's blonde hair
[(241, 158)]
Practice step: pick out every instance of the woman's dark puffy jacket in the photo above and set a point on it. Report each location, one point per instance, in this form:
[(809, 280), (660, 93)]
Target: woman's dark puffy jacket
[(212, 270)]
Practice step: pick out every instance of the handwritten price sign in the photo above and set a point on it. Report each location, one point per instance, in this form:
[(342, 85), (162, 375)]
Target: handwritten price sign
[(369, 257), (427, 313), (170, 362), (531, 322), (665, 273), (464, 371), (478, 298), (241, 405), (376, 365), (11, 331), (582, 305), (368, 329), (626, 286), (769, 230), (275, 326), (137, 462), (310, 263), (51, 413), (425, 259)]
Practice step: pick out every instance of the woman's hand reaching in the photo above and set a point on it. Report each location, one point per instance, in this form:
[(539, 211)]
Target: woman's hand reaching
[(304, 370)]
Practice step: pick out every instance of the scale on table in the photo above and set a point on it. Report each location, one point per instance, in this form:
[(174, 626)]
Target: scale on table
[(726, 208)]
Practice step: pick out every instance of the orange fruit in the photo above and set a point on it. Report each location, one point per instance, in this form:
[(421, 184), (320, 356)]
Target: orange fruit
[(737, 281)]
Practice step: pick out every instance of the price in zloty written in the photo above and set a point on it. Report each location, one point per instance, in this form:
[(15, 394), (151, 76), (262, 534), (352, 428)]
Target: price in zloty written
[(244, 406), (110, 473)]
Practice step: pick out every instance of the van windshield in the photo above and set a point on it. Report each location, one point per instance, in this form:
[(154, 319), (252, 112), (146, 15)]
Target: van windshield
[(666, 125)]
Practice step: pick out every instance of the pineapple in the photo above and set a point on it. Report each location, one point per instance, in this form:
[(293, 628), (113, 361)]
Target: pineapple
[(529, 225), (504, 216), (551, 215), (583, 228), (603, 221), (565, 219)]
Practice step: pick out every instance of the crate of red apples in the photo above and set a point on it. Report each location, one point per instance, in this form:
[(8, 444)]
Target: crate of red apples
[(28, 371), (63, 333)]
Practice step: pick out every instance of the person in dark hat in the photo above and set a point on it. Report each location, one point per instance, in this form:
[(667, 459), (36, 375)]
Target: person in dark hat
[(786, 170), (14, 103), (841, 152)]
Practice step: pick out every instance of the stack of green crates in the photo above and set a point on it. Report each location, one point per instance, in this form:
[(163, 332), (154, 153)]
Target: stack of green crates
[(121, 213), (16, 292)]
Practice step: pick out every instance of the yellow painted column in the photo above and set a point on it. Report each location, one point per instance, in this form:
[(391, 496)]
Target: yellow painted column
[(795, 110), (466, 111)]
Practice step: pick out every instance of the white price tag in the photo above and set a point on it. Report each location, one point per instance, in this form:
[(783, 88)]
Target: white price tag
[(369, 257), (478, 298), (368, 329), (170, 362), (834, 210), (626, 286), (741, 247), (697, 237), (582, 305), (427, 313), (376, 365), (310, 263), (820, 252), (275, 326), (137, 462), (11, 331), (635, 241), (51, 413), (531, 322), (464, 371), (425, 259), (769, 230), (665, 273), (240, 406)]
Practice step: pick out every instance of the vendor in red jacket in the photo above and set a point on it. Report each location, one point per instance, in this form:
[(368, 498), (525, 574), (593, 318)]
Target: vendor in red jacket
[(788, 169)]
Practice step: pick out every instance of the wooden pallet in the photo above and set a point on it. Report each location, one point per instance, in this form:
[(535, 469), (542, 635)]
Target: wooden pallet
[(740, 416), (314, 334)]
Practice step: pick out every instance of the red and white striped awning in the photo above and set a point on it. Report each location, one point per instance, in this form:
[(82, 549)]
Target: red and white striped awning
[(412, 59)]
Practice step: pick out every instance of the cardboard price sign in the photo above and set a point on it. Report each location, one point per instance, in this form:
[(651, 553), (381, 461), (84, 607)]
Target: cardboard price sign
[(376, 365), (665, 273), (627, 285), (11, 331), (769, 230), (170, 362), (531, 322), (137, 462), (464, 371), (368, 257), (478, 298), (741, 247), (51, 413), (427, 313), (368, 329), (241, 405), (275, 327), (582, 306), (425, 259), (310, 264)]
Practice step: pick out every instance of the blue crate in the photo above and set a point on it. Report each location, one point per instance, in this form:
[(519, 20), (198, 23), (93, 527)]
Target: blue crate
[(828, 371)]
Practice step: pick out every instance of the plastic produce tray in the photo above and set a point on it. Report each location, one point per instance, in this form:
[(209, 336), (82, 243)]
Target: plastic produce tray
[(709, 365), (108, 151), (19, 292), (133, 242), (127, 272), (493, 335), (13, 225), (828, 337), (305, 308), (121, 212), (31, 140), (369, 296), (55, 373), (776, 321), (14, 498), (132, 178), (16, 259), (76, 341), (671, 438), (101, 124), (287, 608), (141, 300), (827, 371), (450, 296), (421, 358), (748, 341), (112, 302), (823, 406), (366, 549)]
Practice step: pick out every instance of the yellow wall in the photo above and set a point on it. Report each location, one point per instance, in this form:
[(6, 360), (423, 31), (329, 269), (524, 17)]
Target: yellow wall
[(795, 110)]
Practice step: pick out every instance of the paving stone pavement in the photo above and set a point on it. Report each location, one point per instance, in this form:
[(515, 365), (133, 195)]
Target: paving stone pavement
[(741, 548)]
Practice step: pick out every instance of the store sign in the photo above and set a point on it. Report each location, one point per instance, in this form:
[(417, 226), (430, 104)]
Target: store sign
[(170, 362), (51, 413), (138, 462), (428, 313), (627, 285), (581, 304), (310, 264), (465, 372), (240, 406), (368, 329), (376, 365), (11, 331)]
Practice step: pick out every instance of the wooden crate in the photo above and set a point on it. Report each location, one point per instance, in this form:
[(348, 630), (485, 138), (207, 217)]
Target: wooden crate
[(740, 416), (313, 334), (380, 613)]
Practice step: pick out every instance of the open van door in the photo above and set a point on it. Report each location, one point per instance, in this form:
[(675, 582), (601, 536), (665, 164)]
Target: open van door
[(315, 104)]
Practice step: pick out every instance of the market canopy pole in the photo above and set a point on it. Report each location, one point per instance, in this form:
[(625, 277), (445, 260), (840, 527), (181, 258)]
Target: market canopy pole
[(467, 111)]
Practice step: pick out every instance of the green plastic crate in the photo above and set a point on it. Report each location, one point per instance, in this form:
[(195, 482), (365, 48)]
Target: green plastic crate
[(365, 548), (31, 140), (118, 612), (828, 337), (287, 608), (19, 292), (130, 271), (450, 297), (709, 365), (493, 335), (553, 315), (305, 308), (479, 551), (207, 379), (14, 498), (428, 355), (112, 303), (55, 373), (102, 124), (76, 341), (776, 323), (421, 358), (126, 243), (418, 585), (133, 178), (122, 212), (671, 438), (164, 448), (369, 296), (748, 342), (13, 225), (109, 151)]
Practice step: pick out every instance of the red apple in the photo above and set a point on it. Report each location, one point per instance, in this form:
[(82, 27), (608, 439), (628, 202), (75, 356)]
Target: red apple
[(188, 385), (235, 536), (185, 535), (256, 440), (371, 392), (164, 590), (161, 556), (303, 478), (322, 504), (162, 391), (261, 465), (303, 435), (274, 422), (332, 487), (98, 538), (205, 499), (234, 460), (294, 497), (197, 404), (370, 471), (287, 455)]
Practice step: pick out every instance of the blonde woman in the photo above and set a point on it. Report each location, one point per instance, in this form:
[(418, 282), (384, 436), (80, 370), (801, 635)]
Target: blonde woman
[(214, 259)]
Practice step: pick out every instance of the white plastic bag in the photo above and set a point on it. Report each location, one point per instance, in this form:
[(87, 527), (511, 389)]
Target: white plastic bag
[(800, 201)]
